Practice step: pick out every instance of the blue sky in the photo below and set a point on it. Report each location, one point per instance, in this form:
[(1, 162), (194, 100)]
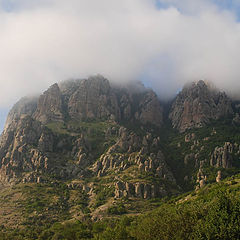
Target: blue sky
[(229, 5), (3, 115), (164, 43)]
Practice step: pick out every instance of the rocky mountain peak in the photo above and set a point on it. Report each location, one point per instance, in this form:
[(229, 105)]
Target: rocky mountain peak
[(197, 104), (95, 98), (25, 106), (50, 105)]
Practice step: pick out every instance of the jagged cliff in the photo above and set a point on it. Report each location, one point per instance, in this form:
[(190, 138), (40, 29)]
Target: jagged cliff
[(68, 128), (34, 129), (197, 104), (104, 144)]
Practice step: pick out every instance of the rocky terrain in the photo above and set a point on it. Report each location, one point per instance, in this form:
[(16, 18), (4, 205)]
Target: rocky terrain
[(92, 148), (197, 104)]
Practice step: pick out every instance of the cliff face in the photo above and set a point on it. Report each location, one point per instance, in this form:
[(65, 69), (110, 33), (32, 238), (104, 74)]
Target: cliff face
[(65, 130), (71, 125), (197, 104), (25, 106), (50, 106), (97, 146), (94, 98)]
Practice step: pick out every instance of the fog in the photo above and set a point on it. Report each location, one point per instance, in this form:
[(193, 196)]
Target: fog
[(162, 43)]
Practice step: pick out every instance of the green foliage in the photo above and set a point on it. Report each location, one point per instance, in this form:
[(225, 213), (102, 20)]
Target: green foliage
[(211, 213), (117, 230), (215, 134), (103, 193), (67, 231), (118, 209)]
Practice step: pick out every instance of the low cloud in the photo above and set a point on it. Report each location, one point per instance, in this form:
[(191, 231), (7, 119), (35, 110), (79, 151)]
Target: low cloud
[(162, 43)]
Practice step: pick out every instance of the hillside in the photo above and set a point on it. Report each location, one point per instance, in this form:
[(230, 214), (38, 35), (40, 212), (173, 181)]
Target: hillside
[(87, 151), (210, 213)]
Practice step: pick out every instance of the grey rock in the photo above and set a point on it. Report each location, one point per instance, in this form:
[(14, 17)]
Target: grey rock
[(197, 104), (50, 106), (222, 156)]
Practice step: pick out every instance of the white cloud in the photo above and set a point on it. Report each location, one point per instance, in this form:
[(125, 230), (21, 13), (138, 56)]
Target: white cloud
[(45, 41)]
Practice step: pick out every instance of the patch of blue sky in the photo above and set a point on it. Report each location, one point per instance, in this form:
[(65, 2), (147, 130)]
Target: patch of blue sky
[(229, 5), (7, 5), (161, 5), (3, 116)]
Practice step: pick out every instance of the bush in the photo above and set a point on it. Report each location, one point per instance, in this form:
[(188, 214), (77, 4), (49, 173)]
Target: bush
[(117, 210)]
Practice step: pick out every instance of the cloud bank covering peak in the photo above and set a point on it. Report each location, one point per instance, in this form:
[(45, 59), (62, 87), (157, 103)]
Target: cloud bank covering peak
[(164, 43)]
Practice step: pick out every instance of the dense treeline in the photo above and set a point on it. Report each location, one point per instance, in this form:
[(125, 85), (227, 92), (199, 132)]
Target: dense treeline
[(213, 213)]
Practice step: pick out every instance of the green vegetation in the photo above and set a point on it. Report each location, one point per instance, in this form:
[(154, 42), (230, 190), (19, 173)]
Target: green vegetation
[(102, 194), (211, 213), (94, 133), (53, 210), (117, 209), (215, 134)]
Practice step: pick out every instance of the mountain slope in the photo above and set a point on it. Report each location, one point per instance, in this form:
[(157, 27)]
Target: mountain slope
[(87, 149), (197, 104)]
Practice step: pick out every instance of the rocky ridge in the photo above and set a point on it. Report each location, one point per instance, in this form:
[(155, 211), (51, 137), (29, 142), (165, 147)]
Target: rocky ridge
[(106, 141), (94, 99), (63, 133), (197, 104)]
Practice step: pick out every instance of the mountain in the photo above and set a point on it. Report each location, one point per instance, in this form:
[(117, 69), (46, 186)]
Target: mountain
[(197, 104), (87, 150)]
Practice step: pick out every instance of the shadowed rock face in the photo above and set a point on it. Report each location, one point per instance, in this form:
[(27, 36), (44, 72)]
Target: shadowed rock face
[(50, 105), (197, 104), (95, 98), (222, 156), (29, 146), (150, 110), (91, 99), (25, 106)]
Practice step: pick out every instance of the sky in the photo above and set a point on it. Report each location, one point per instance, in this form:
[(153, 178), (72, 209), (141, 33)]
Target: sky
[(164, 43)]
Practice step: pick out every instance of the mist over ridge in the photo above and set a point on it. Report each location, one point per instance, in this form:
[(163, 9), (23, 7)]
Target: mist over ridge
[(162, 43)]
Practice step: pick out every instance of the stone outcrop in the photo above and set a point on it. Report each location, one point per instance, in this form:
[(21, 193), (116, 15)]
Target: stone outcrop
[(201, 179), (219, 176), (28, 145), (19, 150), (222, 156), (138, 153), (150, 110), (197, 104), (81, 152), (25, 106), (50, 106), (93, 99), (139, 190)]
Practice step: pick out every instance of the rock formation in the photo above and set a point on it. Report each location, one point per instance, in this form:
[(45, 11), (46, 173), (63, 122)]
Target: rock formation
[(222, 156), (91, 128), (139, 153), (139, 190), (219, 176), (201, 179), (25, 106), (19, 149), (197, 104), (93, 99), (150, 110), (96, 99), (29, 145), (50, 106)]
